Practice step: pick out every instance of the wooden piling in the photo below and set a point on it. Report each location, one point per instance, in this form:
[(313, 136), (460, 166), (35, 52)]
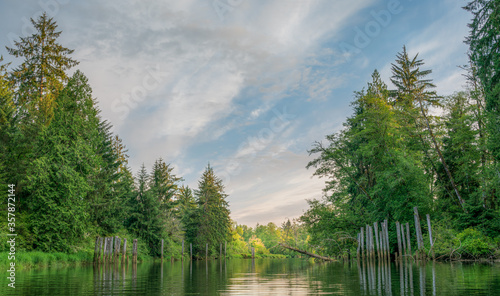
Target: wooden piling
[(430, 235), (191, 251), (369, 240), (96, 249), (105, 249), (418, 230), (206, 251), (408, 241), (220, 251), (117, 249), (124, 253), (253, 252), (101, 250), (387, 250), (111, 248), (359, 245), (182, 250), (362, 243), (400, 249), (162, 249), (134, 251), (403, 240), (225, 249), (377, 241)]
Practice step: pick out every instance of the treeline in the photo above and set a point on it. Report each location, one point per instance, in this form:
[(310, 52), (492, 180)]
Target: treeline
[(71, 175), (408, 147)]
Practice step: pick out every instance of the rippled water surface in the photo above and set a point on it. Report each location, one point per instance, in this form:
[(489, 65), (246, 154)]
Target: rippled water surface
[(260, 277)]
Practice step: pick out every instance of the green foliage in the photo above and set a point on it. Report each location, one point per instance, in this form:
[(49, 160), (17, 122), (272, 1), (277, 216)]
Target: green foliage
[(392, 156), (475, 244), (209, 223)]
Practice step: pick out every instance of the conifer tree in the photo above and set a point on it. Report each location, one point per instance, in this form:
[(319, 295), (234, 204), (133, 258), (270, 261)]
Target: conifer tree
[(42, 74), (209, 223)]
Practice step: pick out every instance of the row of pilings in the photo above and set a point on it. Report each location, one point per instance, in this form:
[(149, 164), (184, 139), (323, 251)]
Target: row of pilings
[(373, 241), (111, 250)]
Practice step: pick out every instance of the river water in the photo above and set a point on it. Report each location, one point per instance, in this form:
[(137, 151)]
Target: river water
[(259, 277)]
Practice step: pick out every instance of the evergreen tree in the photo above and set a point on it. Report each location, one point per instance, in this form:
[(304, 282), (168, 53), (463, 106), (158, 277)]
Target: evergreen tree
[(209, 223), (42, 74), (63, 162), (146, 219), (484, 47), (413, 89)]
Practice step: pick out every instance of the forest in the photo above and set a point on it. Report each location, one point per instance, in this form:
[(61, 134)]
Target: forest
[(70, 176), (401, 148), (410, 147)]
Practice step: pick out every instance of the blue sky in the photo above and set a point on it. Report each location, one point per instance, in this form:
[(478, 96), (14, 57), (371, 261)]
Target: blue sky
[(245, 85)]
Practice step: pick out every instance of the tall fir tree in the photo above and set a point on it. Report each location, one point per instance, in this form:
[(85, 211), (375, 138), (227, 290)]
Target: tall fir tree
[(42, 74), (209, 223)]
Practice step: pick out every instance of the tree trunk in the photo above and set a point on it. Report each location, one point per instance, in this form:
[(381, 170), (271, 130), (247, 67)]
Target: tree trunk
[(460, 200), (306, 253)]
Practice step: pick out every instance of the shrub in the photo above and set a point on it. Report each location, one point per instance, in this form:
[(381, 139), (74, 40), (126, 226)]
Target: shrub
[(475, 244)]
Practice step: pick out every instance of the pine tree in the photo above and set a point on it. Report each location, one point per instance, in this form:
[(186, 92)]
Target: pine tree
[(209, 223), (413, 89), (146, 219), (42, 74), (64, 161)]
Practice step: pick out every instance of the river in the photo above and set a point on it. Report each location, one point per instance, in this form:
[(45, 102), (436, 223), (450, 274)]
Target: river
[(260, 277)]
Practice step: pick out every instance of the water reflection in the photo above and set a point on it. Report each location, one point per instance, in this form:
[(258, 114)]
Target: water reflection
[(262, 277)]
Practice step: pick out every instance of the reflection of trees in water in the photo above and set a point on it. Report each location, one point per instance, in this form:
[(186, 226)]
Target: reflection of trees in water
[(266, 276)]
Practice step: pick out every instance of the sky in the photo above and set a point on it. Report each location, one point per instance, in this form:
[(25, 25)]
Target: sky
[(245, 86)]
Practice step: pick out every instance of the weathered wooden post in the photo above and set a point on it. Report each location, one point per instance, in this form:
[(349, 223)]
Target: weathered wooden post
[(104, 250), (220, 251), (111, 248), (182, 251), (418, 230), (362, 243), (359, 246), (377, 241), (253, 252), (225, 249), (403, 240), (206, 251), (101, 250), (398, 233), (408, 241), (96, 249), (372, 243), (124, 253), (387, 239), (191, 251), (368, 241), (430, 235), (134, 251), (117, 249), (162, 250), (382, 244)]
